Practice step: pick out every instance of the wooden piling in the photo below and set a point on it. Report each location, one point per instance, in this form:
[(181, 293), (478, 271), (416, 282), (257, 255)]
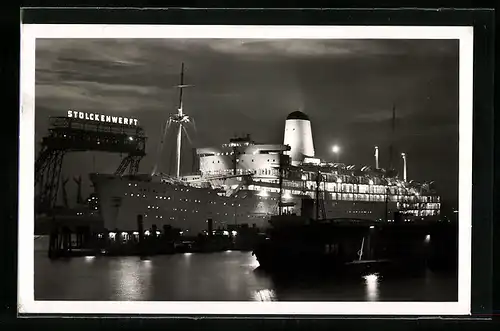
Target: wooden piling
[(210, 227), (140, 229)]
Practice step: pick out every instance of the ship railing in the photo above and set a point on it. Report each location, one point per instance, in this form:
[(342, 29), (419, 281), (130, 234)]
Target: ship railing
[(170, 179), (219, 177)]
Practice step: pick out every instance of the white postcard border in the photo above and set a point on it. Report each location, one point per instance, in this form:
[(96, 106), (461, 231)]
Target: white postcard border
[(29, 34)]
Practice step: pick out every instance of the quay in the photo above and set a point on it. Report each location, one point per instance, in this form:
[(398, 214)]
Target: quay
[(67, 239), (359, 240)]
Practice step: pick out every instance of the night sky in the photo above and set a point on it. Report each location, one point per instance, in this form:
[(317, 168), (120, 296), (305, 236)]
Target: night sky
[(347, 87)]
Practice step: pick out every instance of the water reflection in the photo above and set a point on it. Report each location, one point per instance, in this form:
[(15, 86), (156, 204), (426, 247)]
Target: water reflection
[(264, 295), (89, 258), (131, 279), (371, 283), (225, 276)]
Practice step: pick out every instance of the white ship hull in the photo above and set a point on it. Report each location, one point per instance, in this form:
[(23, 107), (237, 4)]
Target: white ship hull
[(122, 199)]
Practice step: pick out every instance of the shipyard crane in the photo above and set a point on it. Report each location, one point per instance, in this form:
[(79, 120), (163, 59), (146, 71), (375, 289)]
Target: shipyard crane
[(65, 193), (71, 134), (78, 181)]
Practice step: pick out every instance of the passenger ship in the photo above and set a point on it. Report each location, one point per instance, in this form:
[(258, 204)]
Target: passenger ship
[(244, 183)]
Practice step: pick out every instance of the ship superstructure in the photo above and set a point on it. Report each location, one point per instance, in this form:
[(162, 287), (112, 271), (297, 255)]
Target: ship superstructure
[(244, 182)]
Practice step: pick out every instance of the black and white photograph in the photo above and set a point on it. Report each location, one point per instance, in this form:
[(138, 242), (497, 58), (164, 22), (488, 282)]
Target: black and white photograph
[(214, 171)]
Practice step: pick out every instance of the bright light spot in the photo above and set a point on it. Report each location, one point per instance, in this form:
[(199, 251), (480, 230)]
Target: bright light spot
[(226, 233), (371, 182), (339, 180), (287, 195), (124, 234), (371, 278), (234, 233), (181, 232), (304, 177), (372, 227), (89, 258), (135, 233), (428, 238), (112, 235), (187, 254), (130, 138), (335, 149), (263, 193), (147, 233), (158, 233), (228, 251)]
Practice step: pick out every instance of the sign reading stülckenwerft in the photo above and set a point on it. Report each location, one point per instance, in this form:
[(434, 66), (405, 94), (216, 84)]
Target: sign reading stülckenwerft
[(102, 118)]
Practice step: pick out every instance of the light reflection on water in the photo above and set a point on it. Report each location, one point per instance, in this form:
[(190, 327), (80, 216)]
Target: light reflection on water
[(131, 280), (371, 282), (264, 295), (231, 276)]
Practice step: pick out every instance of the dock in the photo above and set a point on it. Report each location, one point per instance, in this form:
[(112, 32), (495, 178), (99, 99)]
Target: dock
[(68, 240)]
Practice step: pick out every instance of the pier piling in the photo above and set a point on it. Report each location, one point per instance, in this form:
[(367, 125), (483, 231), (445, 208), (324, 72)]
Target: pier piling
[(210, 227), (140, 229)]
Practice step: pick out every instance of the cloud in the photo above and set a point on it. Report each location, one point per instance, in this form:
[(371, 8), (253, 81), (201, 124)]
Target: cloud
[(312, 47)]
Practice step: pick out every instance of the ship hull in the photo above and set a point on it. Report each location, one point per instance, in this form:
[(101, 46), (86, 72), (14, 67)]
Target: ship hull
[(122, 199)]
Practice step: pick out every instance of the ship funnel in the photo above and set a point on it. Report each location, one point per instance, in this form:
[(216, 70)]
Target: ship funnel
[(376, 157), (298, 135), (403, 156)]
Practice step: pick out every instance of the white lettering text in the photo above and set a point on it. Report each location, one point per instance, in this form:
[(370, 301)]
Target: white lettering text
[(101, 118)]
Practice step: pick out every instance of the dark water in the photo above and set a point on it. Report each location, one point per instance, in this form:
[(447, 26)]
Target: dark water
[(231, 276)]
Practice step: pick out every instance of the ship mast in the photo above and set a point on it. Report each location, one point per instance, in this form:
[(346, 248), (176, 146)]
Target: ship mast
[(391, 155), (280, 174), (318, 181), (180, 119), (393, 130)]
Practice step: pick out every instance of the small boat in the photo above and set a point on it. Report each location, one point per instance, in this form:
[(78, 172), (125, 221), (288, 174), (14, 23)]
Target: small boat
[(342, 246)]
